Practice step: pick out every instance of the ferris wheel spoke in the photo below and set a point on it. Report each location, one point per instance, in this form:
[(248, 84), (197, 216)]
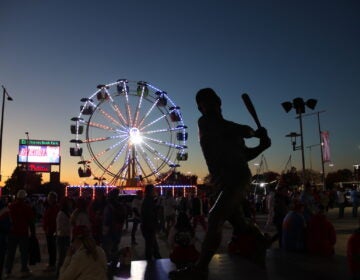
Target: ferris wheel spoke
[(127, 105), (148, 113), (100, 154), (117, 110), (154, 121), (97, 139), (106, 127), (162, 130), (124, 167), (148, 161), (100, 139), (111, 118), (119, 114), (143, 89), (165, 143), (158, 154)]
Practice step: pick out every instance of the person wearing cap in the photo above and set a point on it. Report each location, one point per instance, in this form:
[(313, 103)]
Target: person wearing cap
[(23, 218), (84, 260), (226, 155)]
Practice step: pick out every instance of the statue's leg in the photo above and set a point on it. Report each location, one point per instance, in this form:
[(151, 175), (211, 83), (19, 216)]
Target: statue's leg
[(219, 213)]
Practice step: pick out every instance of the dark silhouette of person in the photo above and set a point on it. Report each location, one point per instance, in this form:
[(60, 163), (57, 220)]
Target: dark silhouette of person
[(149, 223), (226, 155)]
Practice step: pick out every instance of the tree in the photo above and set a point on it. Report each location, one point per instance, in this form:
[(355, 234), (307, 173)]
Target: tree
[(20, 179), (341, 175), (59, 188), (290, 178), (313, 176)]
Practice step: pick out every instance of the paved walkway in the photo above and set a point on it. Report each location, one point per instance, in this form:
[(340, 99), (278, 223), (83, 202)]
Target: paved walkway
[(280, 265)]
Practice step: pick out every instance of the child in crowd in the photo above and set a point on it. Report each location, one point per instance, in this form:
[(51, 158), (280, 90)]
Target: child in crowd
[(181, 240), (85, 260)]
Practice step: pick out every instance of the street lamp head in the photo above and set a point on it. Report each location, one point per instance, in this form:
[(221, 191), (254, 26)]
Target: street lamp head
[(292, 135), (299, 105), (287, 106), (9, 98), (311, 103)]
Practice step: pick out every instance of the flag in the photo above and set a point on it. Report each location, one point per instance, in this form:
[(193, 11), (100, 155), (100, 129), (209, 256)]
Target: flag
[(325, 146)]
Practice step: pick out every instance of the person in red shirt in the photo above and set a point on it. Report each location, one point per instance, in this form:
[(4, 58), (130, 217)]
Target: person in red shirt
[(49, 225), (5, 225), (320, 235), (353, 254), (23, 218)]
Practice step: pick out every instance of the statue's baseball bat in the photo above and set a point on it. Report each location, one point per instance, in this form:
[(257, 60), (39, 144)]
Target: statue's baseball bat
[(250, 106)]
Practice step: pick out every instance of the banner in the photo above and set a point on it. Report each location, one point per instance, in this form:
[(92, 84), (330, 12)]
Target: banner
[(325, 146)]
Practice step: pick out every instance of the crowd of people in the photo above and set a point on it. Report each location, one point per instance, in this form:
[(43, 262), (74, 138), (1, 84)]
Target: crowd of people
[(302, 225), (83, 236), (89, 231)]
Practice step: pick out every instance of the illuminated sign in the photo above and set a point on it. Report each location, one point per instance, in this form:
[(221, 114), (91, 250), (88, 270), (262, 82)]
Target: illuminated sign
[(39, 151), (39, 167)]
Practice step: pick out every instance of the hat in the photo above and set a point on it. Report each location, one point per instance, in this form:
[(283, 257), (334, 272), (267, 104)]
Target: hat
[(208, 96), (21, 194), (80, 231)]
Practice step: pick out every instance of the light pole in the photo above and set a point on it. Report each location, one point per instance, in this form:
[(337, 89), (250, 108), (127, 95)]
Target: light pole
[(27, 160), (299, 105), (310, 148), (5, 93), (321, 145)]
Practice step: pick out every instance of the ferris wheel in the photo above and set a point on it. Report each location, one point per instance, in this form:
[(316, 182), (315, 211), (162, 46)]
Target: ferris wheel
[(128, 132)]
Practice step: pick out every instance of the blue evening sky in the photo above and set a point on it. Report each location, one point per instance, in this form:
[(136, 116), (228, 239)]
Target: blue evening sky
[(53, 53)]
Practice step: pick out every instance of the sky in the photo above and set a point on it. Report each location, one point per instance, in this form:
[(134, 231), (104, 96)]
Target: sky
[(53, 53)]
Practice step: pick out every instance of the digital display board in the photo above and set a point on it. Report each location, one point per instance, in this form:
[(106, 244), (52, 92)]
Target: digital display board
[(39, 151)]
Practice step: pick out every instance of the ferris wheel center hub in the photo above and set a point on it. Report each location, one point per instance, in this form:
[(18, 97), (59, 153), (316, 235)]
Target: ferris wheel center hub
[(135, 136)]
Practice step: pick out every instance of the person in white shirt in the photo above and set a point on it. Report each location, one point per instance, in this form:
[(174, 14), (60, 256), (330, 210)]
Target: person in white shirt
[(270, 198), (169, 211), (85, 260)]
